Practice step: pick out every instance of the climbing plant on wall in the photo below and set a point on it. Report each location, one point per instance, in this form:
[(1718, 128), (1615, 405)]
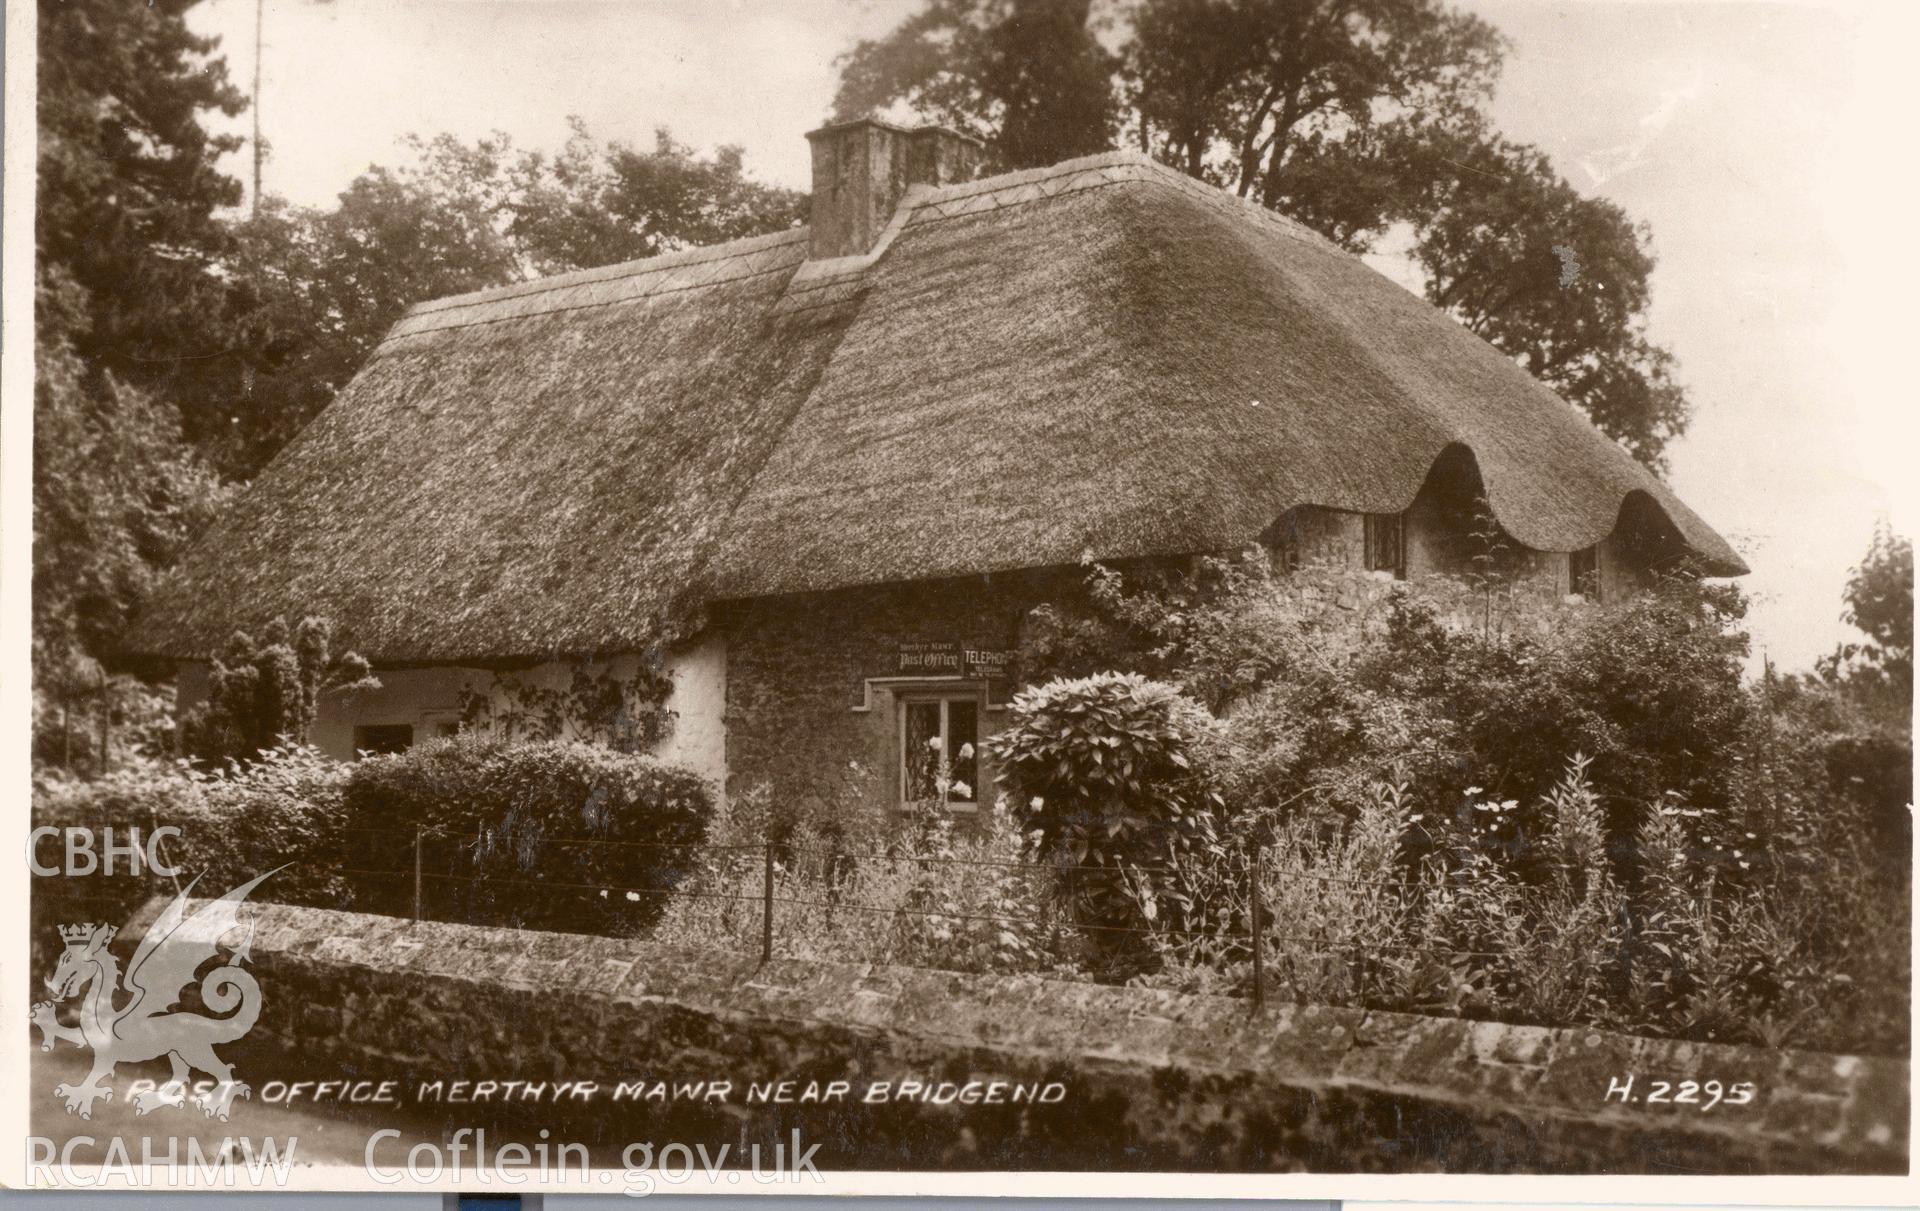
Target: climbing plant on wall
[(627, 715)]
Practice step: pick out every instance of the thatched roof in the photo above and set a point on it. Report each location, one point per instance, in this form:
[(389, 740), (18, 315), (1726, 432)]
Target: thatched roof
[(1104, 359)]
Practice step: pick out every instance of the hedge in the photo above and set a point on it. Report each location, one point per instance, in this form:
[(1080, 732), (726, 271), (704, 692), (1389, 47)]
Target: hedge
[(549, 835), (283, 810)]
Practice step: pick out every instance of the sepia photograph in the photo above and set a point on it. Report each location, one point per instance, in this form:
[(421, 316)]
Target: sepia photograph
[(803, 596)]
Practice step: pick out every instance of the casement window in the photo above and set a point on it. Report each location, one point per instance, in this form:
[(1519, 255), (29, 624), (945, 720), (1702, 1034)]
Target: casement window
[(940, 735), (1386, 542), (1583, 572), (383, 738)]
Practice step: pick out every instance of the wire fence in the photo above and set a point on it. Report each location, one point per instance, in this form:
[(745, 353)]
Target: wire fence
[(776, 859)]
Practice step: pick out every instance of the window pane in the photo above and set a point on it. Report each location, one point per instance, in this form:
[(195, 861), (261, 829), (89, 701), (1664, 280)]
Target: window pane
[(918, 755), (963, 733)]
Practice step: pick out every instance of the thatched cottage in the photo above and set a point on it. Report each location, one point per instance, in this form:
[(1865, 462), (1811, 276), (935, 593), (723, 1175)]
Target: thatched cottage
[(816, 479)]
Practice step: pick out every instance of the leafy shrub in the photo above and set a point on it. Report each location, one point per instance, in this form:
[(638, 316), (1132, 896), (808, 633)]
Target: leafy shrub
[(265, 693), (1325, 678), (549, 835), (1114, 774), (125, 801), (283, 810)]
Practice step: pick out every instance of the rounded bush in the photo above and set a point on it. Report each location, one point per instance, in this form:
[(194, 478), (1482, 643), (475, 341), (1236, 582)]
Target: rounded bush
[(550, 835)]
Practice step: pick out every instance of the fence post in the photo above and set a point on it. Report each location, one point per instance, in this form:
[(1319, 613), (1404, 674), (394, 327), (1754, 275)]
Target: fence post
[(419, 880), (766, 919), (160, 850), (1259, 932)]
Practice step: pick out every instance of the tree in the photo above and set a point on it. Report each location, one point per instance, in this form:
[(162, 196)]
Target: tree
[(115, 498), (116, 495), (1558, 281), (1879, 602), (127, 293), (1358, 117), (1241, 92), (128, 187), (599, 205), (1029, 76), (318, 289)]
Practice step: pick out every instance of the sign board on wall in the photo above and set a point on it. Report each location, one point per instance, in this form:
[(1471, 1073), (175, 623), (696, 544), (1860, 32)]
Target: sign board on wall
[(930, 659), (990, 663), (941, 659)]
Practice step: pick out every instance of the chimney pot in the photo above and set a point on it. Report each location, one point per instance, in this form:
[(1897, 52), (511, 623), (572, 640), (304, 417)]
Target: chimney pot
[(862, 168)]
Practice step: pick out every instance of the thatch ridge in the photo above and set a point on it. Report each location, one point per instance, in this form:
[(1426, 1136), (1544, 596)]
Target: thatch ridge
[(1101, 360), (653, 264), (650, 277)]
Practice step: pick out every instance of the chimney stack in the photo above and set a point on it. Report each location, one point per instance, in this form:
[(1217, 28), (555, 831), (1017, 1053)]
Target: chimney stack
[(862, 168)]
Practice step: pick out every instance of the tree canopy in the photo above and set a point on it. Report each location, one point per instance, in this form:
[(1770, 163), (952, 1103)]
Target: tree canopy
[(1030, 76), (1878, 601), (128, 291), (129, 187), (1362, 118)]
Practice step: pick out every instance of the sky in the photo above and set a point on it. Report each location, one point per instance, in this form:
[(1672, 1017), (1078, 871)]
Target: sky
[(1766, 146)]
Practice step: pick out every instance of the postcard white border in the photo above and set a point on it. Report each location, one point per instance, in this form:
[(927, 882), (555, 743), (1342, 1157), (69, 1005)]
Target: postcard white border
[(1880, 134)]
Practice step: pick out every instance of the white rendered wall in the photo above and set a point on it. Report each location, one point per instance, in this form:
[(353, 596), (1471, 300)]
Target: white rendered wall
[(427, 698)]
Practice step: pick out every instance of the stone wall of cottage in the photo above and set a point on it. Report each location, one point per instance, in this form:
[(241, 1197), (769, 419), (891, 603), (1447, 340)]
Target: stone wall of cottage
[(814, 680)]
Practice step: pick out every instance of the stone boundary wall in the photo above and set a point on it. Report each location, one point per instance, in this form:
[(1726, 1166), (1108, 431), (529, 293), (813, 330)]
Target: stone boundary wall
[(1152, 1080)]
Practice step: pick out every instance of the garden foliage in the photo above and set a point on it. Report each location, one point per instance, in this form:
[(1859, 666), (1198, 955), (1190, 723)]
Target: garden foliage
[(1112, 775), (505, 832), (924, 889), (1394, 909), (267, 692), (281, 812), (545, 835), (1583, 815), (1590, 820)]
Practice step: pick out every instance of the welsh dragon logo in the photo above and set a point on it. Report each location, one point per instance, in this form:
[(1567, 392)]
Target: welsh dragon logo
[(145, 1025)]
